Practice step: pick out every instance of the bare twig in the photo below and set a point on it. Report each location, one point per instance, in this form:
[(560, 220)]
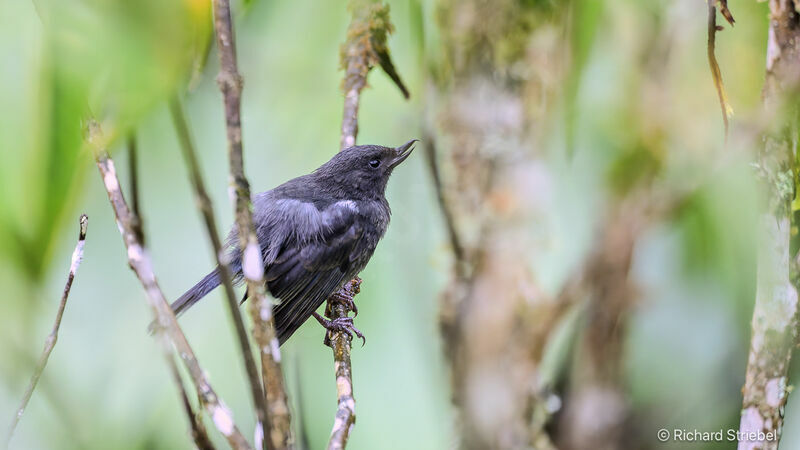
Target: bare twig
[(429, 144), (278, 422), (196, 427), (206, 208), (723, 8), (133, 165), (716, 73), (140, 263), (50, 342)]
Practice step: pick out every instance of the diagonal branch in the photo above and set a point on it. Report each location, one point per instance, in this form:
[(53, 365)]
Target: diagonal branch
[(278, 426), (139, 261), (204, 204), (196, 426), (444, 205), (50, 342), (198, 430)]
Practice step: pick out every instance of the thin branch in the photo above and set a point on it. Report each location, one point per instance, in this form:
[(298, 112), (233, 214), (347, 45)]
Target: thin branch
[(716, 73), (133, 165), (50, 342), (206, 208), (429, 144), (139, 261), (723, 8), (196, 427), (230, 83), (364, 48)]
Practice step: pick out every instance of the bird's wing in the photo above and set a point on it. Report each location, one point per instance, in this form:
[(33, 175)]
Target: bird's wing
[(309, 267)]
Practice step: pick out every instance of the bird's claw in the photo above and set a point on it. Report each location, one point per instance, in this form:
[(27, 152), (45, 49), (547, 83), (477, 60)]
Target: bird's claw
[(340, 325), (345, 297)]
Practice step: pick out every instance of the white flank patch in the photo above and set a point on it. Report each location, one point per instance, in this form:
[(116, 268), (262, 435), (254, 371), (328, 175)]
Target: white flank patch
[(349, 204)]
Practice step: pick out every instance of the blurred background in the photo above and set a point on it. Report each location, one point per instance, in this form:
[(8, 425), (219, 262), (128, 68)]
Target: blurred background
[(604, 231)]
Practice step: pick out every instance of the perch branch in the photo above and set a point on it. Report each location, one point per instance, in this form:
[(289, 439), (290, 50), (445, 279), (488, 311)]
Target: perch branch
[(50, 342), (341, 344), (206, 208), (230, 83), (139, 261), (364, 47)]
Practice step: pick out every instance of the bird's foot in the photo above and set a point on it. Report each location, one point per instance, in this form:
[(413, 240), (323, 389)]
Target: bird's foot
[(345, 297), (344, 300), (339, 325)]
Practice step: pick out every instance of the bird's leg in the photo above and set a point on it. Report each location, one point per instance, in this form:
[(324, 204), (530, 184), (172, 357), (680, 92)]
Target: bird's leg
[(339, 325), (345, 297)]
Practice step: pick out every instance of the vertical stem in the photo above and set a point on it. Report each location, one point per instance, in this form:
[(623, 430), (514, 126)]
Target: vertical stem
[(277, 429), (364, 47), (341, 344), (775, 318), (773, 338)]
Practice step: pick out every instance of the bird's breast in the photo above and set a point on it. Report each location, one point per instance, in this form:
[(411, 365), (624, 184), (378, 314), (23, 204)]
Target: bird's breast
[(375, 216)]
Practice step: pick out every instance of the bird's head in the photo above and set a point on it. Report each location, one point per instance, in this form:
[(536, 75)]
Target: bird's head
[(363, 170)]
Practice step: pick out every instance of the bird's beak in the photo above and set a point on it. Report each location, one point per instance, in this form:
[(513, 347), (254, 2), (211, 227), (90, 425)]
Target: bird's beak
[(403, 152)]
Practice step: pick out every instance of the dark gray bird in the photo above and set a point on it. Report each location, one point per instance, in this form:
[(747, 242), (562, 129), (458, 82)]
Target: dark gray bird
[(316, 232)]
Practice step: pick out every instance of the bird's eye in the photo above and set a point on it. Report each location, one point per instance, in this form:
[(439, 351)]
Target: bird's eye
[(374, 163)]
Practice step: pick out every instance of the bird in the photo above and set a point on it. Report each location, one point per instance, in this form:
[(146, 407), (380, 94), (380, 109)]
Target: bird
[(316, 232)]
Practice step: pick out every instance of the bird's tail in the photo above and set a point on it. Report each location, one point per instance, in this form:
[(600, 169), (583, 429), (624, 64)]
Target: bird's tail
[(190, 297), (198, 291)]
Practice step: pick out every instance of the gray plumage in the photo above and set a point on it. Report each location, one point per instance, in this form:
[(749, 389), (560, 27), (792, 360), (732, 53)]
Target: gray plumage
[(316, 232)]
